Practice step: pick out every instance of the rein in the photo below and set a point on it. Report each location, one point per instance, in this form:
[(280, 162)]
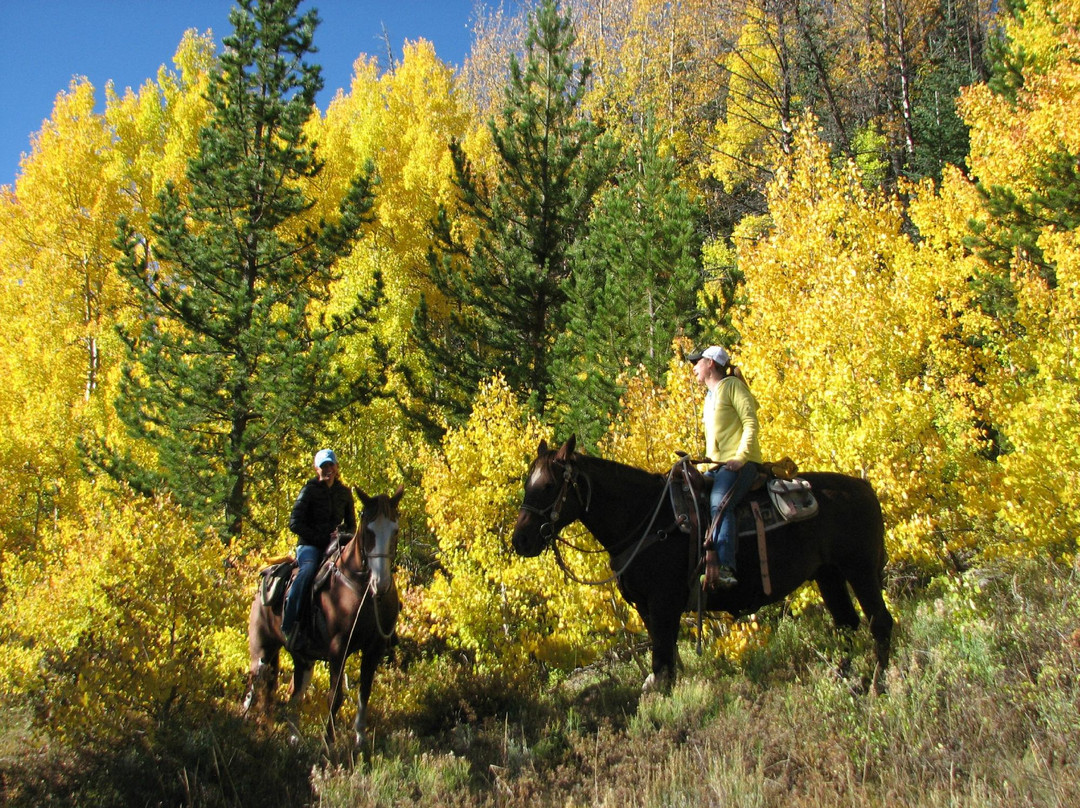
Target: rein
[(362, 583), (629, 554)]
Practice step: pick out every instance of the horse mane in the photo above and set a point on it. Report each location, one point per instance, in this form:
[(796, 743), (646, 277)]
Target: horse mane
[(623, 474)]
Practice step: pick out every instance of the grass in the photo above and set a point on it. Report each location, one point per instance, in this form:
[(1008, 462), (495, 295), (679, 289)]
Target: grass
[(981, 708)]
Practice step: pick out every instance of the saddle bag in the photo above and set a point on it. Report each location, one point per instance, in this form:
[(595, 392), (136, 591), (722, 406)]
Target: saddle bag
[(793, 499)]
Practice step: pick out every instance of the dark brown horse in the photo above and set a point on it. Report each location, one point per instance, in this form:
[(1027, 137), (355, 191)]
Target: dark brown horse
[(356, 610), (630, 512)]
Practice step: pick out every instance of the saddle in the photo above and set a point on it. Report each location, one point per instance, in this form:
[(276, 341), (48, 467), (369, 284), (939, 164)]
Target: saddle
[(277, 576), (276, 581), (776, 498)]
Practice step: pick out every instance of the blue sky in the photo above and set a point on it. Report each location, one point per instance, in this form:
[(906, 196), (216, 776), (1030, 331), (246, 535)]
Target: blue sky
[(47, 42)]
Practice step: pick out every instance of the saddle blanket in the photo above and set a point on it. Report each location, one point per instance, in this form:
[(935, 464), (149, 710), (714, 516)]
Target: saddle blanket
[(745, 524)]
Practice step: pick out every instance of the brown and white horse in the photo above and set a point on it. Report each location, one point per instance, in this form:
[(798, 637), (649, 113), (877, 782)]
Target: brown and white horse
[(359, 608)]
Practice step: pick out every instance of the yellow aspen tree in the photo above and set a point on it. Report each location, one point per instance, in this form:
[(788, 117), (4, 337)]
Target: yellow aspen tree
[(504, 609), (841, 333), (135, 625), (757, 117), (59, 298), (1025, 138), (155, 133), (157, 127), (1041, 418), (657, 58), (655, 422), (401, 122), (495, 35)]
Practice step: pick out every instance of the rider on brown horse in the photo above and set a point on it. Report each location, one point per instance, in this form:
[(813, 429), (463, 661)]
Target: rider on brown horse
[(324, 506)]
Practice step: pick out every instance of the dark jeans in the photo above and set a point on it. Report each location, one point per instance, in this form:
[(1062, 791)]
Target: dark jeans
[(738, 483), (308, 558)]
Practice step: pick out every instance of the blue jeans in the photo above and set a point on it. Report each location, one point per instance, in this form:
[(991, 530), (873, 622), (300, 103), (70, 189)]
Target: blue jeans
[(738, 483), (308, 557)]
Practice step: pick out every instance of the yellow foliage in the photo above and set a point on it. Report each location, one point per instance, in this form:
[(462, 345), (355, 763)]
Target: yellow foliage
[(402, 122), (736, 637), (157, 128), (747, 134), (503, 609), (1041, 416), (849, 345), (656, 422), (136, 621), (59, 295), (1027, 370), (660, 59)]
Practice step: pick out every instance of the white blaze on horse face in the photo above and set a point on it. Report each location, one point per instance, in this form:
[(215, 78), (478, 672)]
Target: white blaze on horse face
[(385, 531), (536, 477)]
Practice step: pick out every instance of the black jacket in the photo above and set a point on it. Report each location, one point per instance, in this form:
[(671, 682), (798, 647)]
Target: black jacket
[(319, 510)]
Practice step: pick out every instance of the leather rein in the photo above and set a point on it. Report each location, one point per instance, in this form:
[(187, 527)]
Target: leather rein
[(362, 583), (359, 581), (621, 561)]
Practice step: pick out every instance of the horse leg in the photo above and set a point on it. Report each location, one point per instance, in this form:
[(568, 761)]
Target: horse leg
[(337, 694), (263, 653), (834, 592), (662, 624), (369, 663), (833, 588), (868, 591), (261, 681), (300, 681)]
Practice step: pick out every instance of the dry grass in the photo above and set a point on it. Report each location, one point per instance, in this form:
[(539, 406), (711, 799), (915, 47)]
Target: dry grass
[(982, 708)]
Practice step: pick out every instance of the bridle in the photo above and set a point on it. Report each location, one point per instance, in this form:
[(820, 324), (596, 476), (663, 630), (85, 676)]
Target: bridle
[(364, 585), (364, 554), (570, 476), (549, 531), (360, 581)]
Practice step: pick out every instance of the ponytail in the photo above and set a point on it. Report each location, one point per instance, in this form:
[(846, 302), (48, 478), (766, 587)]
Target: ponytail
[(730, 369)]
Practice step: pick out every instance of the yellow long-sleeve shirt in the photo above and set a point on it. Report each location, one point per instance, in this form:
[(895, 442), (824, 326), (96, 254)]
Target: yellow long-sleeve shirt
[(731, 425)]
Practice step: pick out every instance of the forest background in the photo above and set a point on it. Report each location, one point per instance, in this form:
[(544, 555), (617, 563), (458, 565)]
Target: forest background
[(875, 205)]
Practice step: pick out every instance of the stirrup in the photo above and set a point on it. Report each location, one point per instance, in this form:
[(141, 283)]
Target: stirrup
[(725, 578), (293, 639)]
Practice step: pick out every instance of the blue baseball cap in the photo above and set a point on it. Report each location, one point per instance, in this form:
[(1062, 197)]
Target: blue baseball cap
[(325, 456)]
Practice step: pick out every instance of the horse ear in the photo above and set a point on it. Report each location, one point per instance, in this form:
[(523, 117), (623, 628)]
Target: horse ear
[(363, 497), (397, 494), (541, 450), (566, 449)]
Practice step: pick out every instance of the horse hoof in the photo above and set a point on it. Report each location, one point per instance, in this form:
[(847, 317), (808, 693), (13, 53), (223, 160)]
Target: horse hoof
[(657, 684)]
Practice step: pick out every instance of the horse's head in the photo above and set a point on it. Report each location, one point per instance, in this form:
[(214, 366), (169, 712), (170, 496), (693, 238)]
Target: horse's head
[(378, 535), (547, 506)]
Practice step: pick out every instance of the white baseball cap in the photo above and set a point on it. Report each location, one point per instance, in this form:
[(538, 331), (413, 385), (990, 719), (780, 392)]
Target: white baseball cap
[(713, 352)]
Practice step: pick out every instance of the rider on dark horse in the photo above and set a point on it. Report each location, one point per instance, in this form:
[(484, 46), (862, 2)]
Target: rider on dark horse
[(731, 440), (324, 506)]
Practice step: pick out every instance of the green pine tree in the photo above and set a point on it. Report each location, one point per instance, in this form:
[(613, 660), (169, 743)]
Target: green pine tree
[(508, 291), (636, 280), (228, 362)]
